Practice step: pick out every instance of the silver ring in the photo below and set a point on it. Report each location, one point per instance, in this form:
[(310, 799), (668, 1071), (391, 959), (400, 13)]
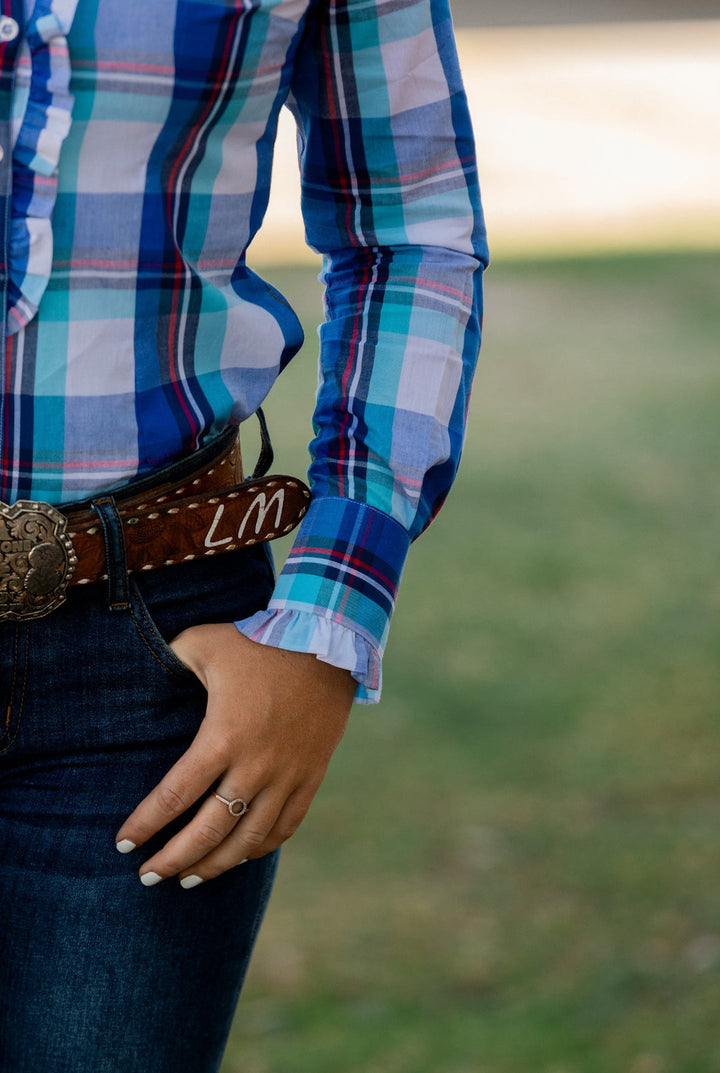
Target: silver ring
[(237, 807)]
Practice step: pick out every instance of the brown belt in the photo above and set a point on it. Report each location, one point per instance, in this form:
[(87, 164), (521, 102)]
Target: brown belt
[(212, 510)]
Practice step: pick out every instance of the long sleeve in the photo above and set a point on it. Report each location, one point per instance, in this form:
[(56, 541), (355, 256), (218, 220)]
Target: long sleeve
[(391, 200)]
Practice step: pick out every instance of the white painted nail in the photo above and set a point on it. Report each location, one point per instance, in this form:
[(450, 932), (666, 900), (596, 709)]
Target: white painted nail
[(150, 879), (125, 846), (245, 861), (191, 881)]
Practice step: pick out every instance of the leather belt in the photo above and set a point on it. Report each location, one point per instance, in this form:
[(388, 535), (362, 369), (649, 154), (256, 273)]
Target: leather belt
[(44, 550)]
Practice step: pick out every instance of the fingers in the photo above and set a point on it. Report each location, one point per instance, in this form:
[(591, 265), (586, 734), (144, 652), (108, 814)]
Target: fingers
[(215, 840), (259, 832), (212, 832), (184, 784), (221, 834)]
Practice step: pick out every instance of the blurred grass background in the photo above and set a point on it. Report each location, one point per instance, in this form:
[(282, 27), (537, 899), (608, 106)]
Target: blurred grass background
[(513, 864)]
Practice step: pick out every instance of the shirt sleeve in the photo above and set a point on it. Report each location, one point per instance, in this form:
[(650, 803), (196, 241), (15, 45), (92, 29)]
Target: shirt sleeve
[(391, 201)]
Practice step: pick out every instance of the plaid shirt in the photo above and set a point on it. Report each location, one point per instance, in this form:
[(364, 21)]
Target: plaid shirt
[(138, 141)]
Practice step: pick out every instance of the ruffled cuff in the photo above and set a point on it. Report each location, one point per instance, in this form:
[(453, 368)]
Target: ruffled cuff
[(302, 631), (336, 593)]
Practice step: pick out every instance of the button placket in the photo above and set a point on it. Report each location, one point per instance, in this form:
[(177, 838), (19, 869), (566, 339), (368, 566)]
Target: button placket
[(9, 29)]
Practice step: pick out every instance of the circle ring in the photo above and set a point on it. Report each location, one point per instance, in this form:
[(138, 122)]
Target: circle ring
[(235, 806)]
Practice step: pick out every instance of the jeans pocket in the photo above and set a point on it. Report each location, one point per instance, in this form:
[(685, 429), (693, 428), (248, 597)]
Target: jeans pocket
[(223, 588), (151, 636)]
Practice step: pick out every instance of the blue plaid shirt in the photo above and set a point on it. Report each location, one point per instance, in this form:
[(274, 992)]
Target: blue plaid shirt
[(138, 141)]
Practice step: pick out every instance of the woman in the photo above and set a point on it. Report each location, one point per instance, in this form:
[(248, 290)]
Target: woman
[(163, 693)]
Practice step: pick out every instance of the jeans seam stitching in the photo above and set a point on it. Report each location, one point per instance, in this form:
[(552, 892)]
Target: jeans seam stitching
[(12, 692), (8, 713)]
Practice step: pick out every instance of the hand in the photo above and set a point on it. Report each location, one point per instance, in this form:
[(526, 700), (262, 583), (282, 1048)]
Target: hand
[(273, 720)]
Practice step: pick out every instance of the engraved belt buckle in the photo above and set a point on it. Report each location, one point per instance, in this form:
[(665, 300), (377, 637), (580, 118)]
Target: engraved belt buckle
[(37, 559)]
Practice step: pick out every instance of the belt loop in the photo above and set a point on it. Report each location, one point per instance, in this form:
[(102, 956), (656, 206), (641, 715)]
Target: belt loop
[(115, 557), (267, 454)]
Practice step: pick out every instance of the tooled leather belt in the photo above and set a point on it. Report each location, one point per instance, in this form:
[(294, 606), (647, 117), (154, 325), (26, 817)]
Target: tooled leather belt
[(210, 511)]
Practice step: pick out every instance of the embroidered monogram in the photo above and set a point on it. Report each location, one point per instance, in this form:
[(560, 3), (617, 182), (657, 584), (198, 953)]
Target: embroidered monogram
[(260, 503)]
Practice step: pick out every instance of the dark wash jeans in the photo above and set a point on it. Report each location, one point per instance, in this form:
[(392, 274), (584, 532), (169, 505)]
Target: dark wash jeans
[(97, 972)]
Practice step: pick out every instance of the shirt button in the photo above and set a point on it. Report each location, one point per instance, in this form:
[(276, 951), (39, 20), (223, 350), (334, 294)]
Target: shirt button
[(9, 28), (2, 153)]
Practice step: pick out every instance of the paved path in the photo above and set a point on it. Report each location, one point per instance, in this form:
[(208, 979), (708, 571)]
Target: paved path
[(590, 137)]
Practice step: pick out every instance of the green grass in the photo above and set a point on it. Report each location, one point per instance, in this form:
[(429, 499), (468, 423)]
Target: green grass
[(513, 864)]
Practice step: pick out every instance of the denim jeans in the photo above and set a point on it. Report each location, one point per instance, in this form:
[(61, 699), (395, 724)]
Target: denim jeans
[(98, 972)]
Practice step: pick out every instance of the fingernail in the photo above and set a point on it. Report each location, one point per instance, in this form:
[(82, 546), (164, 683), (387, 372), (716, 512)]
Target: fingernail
[(191, 881), (150, 879), (245, 861), (125, 846)]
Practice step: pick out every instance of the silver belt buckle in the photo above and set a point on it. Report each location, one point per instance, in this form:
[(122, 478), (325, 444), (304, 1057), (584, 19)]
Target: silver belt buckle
[(37, 559)]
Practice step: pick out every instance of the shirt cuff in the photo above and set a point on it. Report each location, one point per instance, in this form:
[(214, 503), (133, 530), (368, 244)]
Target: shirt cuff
[(336, 593)]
